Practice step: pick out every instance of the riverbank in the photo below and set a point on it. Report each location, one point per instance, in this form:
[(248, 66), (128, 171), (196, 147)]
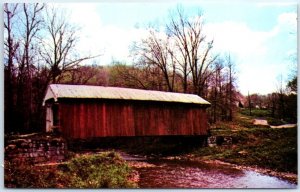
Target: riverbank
[(291, 177), (269, 151), (288, 176), (274, 149), (254, 147), (190, 172)]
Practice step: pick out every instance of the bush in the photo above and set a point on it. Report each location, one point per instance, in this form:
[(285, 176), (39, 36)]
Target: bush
[(106, 170)]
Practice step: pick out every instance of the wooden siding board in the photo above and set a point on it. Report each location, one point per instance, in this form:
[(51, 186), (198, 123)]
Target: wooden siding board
[(90, 123), (116, 120), (67, 126), (172, 122), (131, 121), (82, 119), (126, 120), (77, 126), (104, 120), (157, 118), (85, 128), (100, 123), (97, 117), (168, 123), (70, 122), (61, 117), (137, 121), (94, 120), (67, 117), (163, 124), (62, 122), (75, 120)]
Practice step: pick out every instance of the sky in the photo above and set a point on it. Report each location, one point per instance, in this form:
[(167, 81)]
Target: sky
[(260, 37)]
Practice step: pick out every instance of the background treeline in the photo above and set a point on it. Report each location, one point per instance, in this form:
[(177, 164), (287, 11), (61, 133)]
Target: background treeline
[(40, 49), (279, 105)]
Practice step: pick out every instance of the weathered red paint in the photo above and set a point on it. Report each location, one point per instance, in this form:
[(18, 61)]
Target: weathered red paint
[(89, 118)]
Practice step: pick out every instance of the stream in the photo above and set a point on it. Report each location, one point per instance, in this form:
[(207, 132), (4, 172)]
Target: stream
[(161, 173)]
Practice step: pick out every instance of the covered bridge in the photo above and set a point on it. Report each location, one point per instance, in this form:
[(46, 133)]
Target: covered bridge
[(81, 111)]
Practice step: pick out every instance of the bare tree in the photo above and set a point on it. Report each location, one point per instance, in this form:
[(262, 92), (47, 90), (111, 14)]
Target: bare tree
[(10, 44), (154, 53), (181, 51), (22, 56), (193, 51), (230, 91), (86, 75), (122, 75), (292, 83), (222, 90), (281, 97), (216, 83), (10, 47), (32, 60), (59, 50)]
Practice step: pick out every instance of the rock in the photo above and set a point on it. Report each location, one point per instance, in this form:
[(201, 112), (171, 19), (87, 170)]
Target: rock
[(243, 152), (136, 164), (284, 126), (227, 140), (260, 122), (38, 149), (10, 147)]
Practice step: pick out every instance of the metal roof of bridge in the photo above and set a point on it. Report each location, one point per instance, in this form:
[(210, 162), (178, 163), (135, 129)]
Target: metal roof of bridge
[(56, 91)]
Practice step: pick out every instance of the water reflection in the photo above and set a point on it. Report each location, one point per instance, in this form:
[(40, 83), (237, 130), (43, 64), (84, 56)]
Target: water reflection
[(184, 174)]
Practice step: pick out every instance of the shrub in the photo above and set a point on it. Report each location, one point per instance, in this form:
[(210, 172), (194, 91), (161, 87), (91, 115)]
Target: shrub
[(105, 170)]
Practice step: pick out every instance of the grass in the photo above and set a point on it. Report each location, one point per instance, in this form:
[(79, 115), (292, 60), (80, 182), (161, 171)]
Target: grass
[(262, 114), (29, 176), (274, 149), (257, 113), (105, 170)]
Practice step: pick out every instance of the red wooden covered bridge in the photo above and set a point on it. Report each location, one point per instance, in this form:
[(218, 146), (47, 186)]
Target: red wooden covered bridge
[(81, 111)]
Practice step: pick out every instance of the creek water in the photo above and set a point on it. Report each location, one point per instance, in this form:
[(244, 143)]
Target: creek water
[(186, 174)]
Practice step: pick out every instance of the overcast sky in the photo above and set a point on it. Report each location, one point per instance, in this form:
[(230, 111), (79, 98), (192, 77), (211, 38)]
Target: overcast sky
[(261, 37)]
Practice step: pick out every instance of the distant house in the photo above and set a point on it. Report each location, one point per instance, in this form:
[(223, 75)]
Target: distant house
[(80, 111)]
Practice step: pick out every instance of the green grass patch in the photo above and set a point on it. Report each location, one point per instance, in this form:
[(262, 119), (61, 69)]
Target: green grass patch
[(253, 145), (274, 121), (275, 149), (105, 170), (260, 114), (257, 113)]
